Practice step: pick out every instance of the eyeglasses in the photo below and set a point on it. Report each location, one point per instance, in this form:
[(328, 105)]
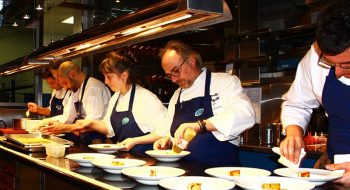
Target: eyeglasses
[(327, 64), (175, 72)]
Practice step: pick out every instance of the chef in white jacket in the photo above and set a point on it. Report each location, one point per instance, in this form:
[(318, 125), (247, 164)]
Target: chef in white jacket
[(213, 104)]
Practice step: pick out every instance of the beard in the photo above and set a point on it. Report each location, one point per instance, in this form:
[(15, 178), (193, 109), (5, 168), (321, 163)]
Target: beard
[(74, 85), (183, 83)]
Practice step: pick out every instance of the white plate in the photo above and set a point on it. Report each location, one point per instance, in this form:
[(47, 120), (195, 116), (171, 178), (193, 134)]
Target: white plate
[(142, 174), (317, 176), (207, 183), (255, 183), (106, 164), (223, 172), (167, 155), (106, 148), (84, 159)]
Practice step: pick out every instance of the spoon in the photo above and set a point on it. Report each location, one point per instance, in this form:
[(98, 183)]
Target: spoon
[(27, 113)]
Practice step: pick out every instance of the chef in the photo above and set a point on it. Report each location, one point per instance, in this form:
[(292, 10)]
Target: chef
[(59, 96), (89, 100), (213, 104), (133, 113), (322, 78)]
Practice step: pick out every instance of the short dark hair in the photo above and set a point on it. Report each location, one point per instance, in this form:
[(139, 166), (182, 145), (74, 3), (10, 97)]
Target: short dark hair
[(333, 30), (183, 50), (118, 62), (47, 73)]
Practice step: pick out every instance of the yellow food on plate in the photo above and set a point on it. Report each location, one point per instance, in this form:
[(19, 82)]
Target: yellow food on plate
[(271, 186), (117, 163), (304, 174), (88, 158), (33, 140), (153, 173), (234, 173), (194, 186)]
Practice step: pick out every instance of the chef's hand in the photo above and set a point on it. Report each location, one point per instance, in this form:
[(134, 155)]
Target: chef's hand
[(162, 143), (33, 107), (53, 128), (291, 146), (179, 133), (129, 143), (345, 180)]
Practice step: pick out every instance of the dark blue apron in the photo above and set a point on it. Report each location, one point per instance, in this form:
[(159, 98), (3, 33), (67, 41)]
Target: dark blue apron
[(336, 102), (204, 148), (125, 126), (88, 137), (56, 105)]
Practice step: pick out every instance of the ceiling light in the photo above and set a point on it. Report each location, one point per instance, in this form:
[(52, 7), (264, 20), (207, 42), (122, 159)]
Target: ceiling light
[(186, 16), (69, 20), (15, 24), (117, 1), (26, 16), (39, 8)]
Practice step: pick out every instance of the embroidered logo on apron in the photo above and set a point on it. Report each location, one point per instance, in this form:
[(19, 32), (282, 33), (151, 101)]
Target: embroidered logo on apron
[(199, 112), (125, 120)]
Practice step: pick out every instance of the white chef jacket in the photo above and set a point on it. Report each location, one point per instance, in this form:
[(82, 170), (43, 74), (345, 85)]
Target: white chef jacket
[(60, 94), (95, 102), (232, 109), (148, 111), (306, 91)]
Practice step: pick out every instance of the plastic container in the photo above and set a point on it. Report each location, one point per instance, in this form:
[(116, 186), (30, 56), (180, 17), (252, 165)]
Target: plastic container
[(55, 150)]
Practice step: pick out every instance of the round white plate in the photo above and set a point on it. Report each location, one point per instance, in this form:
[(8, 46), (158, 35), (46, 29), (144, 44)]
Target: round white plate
[(223, 172), (106, 148), (106, 164), (84, 159), (255, 183), (142, 174), (207, 183), (167, 155), (317, 176)]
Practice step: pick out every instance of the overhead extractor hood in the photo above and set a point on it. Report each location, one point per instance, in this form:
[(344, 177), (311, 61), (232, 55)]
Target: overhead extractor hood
[(162, 19)]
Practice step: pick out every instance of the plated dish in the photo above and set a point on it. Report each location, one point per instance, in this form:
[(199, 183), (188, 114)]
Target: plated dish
[(167, 155), (106, 148), (150, 175), (316, 176), (193, 182), (85, 159), (256, 183), (116, 165), (232, 173)]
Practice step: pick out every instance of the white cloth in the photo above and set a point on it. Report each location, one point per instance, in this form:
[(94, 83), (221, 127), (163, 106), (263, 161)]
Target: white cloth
[(305, 92), (95, 102), (148, 110), (60, 94), (232, 109)]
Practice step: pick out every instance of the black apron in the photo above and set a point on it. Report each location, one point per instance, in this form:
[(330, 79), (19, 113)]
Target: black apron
[(56, 105), (336, 102), (88, 137), (125, 126), (204, 148)]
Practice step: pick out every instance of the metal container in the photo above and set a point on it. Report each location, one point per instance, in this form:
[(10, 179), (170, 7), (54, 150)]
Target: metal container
[(271, 134), (19, 123)]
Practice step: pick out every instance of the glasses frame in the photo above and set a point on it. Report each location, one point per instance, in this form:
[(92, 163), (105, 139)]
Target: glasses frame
[(327, 64), (175, 72)]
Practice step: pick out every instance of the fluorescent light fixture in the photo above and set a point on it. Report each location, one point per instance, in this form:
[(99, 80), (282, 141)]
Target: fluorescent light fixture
[(38, 62), (134, 30), (69, 20), (39, 8), (186, 16)]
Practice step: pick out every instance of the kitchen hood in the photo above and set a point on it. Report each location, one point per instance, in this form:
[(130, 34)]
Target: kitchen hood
[(159, 20)]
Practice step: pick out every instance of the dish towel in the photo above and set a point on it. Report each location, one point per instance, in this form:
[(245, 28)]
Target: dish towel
[(284, 161)]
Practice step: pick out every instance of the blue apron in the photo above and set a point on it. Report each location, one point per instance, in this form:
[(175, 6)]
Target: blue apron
[(56, 105), (125, 126), (204, 148), (88, 137), (336, 102)]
